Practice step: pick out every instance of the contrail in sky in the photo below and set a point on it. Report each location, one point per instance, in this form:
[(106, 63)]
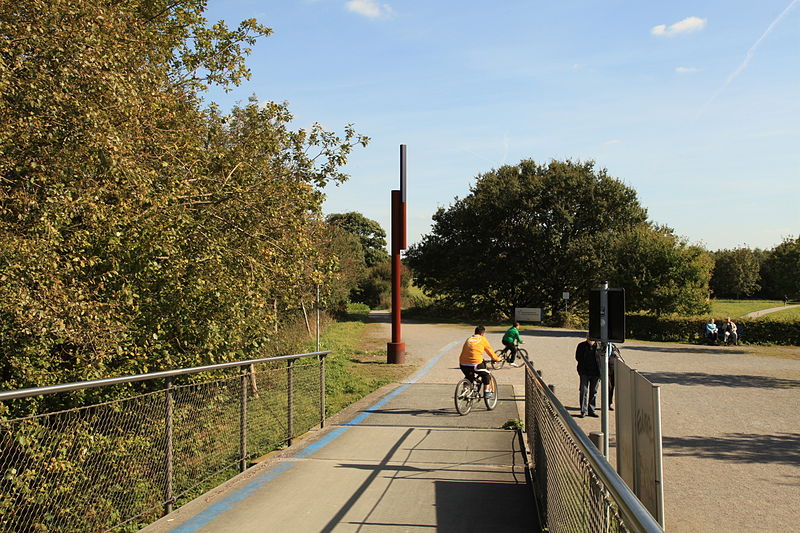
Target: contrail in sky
[(749, 55)]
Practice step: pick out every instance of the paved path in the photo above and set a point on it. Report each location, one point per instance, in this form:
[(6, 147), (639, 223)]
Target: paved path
[(756, 314), (731, 430), (730, 418)]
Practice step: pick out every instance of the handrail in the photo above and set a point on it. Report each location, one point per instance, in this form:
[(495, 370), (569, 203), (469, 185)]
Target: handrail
[(50, 389), (631, 507)]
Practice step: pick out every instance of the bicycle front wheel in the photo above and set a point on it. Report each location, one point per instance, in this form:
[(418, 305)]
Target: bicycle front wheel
[(497, 365), (522, 352), (491, 403), (463, 397)]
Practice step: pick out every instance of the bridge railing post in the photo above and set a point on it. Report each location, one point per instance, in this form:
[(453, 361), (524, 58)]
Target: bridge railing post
[(322, 391), (168, 450), (289, 401), (244, 377)]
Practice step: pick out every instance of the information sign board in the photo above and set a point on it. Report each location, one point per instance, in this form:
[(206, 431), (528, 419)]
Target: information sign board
[(528, 314)]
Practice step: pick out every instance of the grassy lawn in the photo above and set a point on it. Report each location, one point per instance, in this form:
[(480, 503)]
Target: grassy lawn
[(358, 364), (738, 308), (789, 315)]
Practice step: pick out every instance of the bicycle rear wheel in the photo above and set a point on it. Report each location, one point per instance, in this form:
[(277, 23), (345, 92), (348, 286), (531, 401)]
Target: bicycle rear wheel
[(463, 397), (491, 403), (497, 365)]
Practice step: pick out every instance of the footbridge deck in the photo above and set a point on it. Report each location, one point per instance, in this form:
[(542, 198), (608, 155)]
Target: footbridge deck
[(406, 462)]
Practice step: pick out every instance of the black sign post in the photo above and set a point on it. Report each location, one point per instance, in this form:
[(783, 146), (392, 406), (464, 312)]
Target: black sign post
[(607, 325)]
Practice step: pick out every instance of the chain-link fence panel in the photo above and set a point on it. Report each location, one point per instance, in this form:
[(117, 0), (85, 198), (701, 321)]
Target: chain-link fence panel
[(122, 464), (574, 491)]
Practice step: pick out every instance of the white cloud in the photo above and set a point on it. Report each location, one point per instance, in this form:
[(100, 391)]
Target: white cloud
[(687, 25), (686, 70), (612, 141), (370, 8)]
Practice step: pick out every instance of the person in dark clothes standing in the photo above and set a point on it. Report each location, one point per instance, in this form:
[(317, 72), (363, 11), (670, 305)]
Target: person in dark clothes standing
[(589, 372)]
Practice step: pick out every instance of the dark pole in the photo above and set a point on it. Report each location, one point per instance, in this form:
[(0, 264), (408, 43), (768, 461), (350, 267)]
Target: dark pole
[(396, 350)]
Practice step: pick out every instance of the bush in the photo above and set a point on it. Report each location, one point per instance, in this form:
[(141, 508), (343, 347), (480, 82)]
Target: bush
[(357, 309), (691, 329)]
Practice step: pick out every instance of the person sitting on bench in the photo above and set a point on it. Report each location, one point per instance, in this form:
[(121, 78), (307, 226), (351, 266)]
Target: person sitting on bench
[(712, 332)]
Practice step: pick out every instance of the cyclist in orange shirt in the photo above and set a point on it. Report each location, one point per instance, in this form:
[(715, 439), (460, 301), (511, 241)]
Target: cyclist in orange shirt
[(471, 359)]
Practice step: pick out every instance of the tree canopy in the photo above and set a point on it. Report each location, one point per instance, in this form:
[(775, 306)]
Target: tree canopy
[(524, 235), (660, 272), (368, 231), (139, 229), (781, 270), (736, 273)]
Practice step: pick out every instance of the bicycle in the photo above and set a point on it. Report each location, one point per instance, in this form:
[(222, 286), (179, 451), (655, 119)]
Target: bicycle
[(470, 391), (505, 356)]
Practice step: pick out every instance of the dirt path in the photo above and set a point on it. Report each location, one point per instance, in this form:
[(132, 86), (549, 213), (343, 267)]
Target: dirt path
[(731, 420)]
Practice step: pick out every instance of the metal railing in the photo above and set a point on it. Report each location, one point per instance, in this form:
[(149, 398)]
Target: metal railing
[(576, 489), (122, 463)]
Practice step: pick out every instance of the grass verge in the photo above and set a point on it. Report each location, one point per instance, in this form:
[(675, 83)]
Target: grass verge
[(357, 365), (789, 315)]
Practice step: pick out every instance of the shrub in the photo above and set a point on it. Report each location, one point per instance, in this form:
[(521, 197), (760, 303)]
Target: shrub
[(691, 329)]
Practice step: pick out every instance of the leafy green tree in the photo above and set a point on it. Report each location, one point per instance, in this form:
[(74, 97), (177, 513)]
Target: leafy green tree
[(370, 232), (736, 273), (374, 285), (137, 229), (346, 260), (781, 270), (660, 272), (523, 235)]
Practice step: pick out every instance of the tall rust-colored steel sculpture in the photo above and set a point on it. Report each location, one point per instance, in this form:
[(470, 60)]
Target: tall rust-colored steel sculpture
[(396, 350)]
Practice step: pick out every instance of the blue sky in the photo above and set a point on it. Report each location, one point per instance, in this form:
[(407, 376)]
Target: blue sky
[(696, 105)]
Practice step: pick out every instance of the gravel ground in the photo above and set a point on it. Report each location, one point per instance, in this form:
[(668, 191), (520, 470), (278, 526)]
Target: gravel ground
[(730, 418)]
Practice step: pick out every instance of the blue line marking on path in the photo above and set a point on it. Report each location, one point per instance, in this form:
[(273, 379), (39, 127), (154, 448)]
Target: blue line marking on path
[(227, 503)]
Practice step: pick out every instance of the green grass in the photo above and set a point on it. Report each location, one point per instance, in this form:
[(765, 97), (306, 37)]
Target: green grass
[(789, 315), (357, 365), (739, 308)]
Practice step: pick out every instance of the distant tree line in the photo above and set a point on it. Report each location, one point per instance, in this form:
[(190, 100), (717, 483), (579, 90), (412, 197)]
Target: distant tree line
[(527, 233), (754, 273)]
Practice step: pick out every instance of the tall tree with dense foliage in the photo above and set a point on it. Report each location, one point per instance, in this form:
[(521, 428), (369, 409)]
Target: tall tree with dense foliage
[(374, 286), (661, 273), (369, 232), (736, 273), (781, 270), (137, 229), (524, 235)]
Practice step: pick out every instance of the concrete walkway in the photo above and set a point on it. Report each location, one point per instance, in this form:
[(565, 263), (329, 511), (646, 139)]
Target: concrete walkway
[(401, 460)]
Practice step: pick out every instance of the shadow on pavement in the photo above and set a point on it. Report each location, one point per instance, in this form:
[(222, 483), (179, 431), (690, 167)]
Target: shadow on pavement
[(456, 501), (554, 333), (780, 448), (684, 348), (458, 509), (720, 380)]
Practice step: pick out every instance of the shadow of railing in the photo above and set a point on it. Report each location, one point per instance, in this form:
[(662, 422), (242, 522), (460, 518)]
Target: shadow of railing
[(720, 380), (778, 448)]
